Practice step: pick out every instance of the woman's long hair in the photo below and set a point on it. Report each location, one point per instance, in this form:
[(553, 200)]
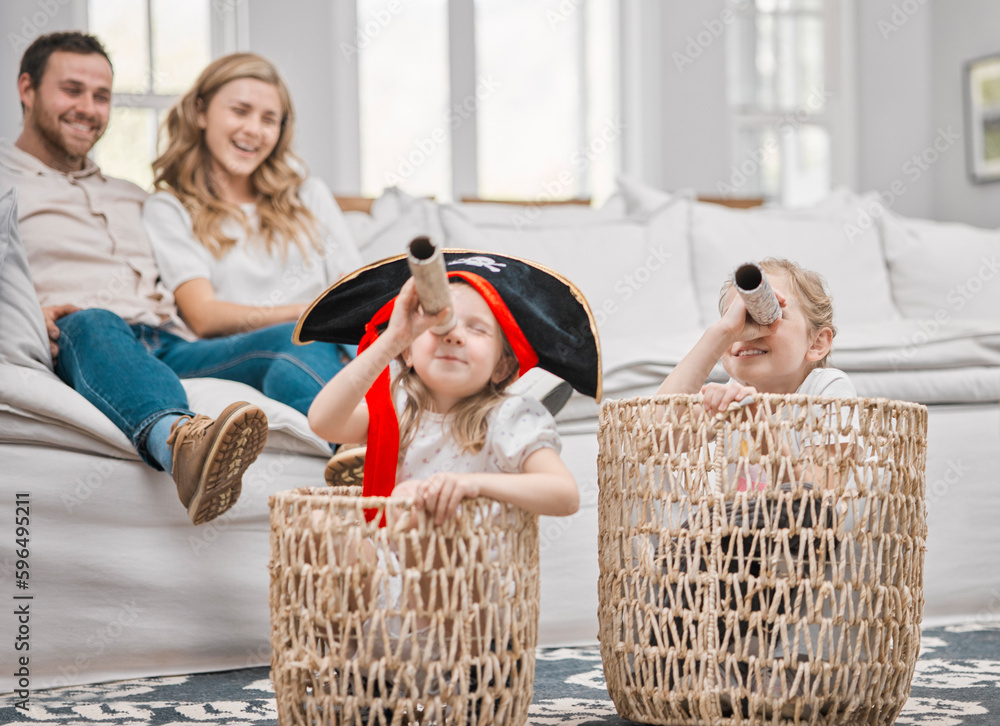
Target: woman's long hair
[(468, 420), (185, 168)]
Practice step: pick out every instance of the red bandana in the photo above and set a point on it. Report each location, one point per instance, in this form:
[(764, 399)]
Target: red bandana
[(382, 455)]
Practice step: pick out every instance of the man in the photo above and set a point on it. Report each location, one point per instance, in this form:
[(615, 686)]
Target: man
[(115, 334)]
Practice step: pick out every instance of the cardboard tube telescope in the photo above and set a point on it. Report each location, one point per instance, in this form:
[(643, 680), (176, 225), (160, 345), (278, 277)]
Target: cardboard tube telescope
[(753, 287), (426, 263)]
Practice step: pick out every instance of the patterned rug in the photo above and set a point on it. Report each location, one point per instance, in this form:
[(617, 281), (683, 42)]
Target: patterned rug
[(957, 683)]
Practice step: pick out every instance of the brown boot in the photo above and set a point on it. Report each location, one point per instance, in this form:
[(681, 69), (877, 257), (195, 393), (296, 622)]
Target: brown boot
[(346, 468), (210, 456)]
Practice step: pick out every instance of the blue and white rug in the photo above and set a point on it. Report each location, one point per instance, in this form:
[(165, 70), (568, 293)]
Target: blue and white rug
[(957, 683)]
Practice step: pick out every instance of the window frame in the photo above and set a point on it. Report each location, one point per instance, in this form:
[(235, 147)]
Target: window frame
[(462, 84), (229, 32), (838, 116)]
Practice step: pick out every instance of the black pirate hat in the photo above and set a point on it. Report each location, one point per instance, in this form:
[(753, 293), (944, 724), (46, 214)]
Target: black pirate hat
[(557, 325)]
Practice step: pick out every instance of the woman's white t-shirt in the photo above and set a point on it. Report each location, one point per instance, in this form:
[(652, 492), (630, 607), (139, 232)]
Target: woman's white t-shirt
[(249, 274)]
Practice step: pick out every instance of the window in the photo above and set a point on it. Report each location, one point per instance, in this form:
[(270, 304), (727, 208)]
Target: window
[(158, 48), (782, 104), (405, 117), (496, 98)]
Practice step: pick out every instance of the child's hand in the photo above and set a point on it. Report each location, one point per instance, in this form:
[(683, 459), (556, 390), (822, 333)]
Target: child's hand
[(741, 326), (441, 493), (718, 396), (408, 319), (401, 520)]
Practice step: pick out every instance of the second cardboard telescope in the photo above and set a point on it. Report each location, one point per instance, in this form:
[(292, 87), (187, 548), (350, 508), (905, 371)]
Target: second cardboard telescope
[(752, 285), (426, 263)]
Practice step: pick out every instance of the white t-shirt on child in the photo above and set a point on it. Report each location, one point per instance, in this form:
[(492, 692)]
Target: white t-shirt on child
[(518, 427), (827, 382)]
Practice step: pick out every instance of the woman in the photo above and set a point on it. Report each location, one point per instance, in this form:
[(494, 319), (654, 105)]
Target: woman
[(242, 236)]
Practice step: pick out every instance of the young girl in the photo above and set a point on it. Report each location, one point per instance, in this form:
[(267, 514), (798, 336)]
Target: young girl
[(458, 434), (787, 357), (444, 429), (243, 238)]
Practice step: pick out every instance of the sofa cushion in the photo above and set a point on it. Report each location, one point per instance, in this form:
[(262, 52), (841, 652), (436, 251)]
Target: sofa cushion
[(851, 263), (640, 198), (942, 270), (23, 338), (634, 271), (396, 218), (38, 408)]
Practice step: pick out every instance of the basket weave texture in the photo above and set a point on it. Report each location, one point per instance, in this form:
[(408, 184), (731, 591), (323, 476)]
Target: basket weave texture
[(399, 625), (761, 567)]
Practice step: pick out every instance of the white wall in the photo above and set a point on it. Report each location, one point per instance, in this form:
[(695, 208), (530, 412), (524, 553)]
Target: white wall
[(910, 58), (686, 138), (963, 30), (894, 104), (21, 21)]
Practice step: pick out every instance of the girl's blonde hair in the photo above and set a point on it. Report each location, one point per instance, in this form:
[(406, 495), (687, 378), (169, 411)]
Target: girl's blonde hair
[(468, 420), (808, 288), (185, 169)]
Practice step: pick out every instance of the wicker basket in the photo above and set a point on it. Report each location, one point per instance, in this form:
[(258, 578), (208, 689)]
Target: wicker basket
[(765, 566), (401, 625)]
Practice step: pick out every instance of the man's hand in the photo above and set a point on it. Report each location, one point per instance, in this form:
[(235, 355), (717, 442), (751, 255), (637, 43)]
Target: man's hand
[(52, 314)]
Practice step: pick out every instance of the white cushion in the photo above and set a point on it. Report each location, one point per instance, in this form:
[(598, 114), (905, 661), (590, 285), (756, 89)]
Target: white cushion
[(850, 260), (362, 225), (839, 202), (634, 271), (23, 338), (942, 270), (641, 198), (44, 410), (396, 218)]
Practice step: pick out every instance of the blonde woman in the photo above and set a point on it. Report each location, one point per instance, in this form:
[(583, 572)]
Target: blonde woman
[(242, 236)]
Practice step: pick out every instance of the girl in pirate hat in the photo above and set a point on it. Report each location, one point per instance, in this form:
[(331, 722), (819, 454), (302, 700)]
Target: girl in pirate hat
[(441, 428), (433, 411)]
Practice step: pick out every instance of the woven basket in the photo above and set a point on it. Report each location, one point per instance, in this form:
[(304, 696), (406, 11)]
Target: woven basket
[(765, 566), (369, 625)]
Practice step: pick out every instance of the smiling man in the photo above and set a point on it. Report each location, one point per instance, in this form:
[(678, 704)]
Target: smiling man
[(114, 331), (68, 96)]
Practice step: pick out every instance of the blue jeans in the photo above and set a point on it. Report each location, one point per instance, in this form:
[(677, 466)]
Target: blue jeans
[(131, 372)]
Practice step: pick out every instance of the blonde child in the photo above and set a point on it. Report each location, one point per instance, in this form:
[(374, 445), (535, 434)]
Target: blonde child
[(789, 356), (444, 429), (460, 436)]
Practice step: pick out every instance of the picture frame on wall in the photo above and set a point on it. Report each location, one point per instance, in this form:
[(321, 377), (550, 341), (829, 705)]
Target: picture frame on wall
[(982, 102)]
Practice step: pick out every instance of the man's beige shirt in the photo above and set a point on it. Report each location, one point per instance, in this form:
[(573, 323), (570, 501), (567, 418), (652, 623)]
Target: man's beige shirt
[(85, 242)]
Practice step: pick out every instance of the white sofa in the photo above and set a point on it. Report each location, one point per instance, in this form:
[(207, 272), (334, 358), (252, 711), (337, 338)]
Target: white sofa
[(123, 586)]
